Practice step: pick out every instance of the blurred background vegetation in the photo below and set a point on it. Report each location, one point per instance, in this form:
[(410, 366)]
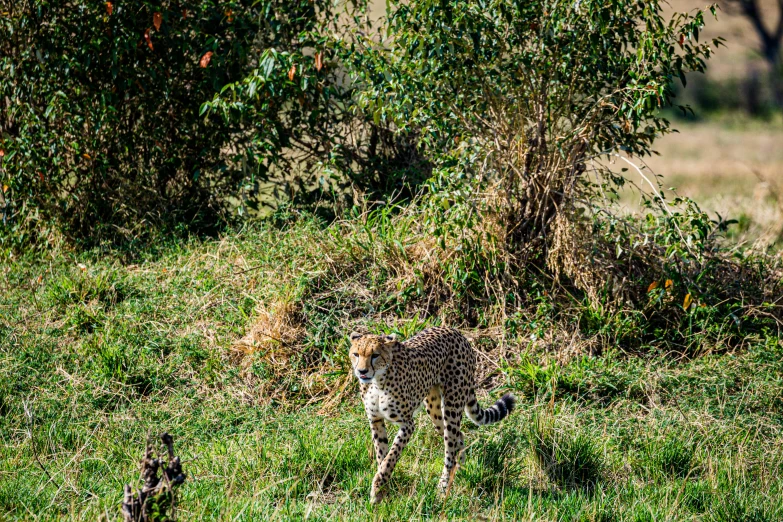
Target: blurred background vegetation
[(727, 155)]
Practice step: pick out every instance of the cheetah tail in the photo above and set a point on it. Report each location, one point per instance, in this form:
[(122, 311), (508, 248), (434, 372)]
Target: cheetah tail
[(491, 415)]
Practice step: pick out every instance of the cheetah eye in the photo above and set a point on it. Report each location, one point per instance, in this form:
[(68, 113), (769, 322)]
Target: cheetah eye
[(375, 356), (355, 354)]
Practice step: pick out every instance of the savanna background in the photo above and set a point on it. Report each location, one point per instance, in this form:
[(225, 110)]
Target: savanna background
[(200, 200)]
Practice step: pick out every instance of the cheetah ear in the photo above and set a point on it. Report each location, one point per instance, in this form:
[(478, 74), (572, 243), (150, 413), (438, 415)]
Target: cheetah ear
[(389, 339), (355, 335)]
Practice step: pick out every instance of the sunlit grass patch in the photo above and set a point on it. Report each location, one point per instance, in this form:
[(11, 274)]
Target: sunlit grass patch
[(673, 455)]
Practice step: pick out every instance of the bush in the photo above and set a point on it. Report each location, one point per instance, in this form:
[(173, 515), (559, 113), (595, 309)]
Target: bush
[(101, 126), (118, 117), (517, 103), (514, 99)]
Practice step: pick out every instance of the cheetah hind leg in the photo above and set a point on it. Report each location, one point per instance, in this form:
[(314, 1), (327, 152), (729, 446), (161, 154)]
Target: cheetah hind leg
[(433, 404), (454, 442)]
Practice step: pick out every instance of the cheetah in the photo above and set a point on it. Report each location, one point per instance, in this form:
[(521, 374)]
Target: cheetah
[(435, 367)]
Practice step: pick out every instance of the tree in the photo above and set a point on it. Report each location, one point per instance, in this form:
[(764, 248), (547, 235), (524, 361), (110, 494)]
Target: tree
[(770, 38)]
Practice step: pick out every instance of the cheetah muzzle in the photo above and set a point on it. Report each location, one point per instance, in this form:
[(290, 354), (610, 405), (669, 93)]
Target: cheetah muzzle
[(436, 368)]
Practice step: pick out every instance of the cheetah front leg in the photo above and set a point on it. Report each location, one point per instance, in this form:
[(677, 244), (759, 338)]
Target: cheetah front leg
[(387, 466), (379, 439)]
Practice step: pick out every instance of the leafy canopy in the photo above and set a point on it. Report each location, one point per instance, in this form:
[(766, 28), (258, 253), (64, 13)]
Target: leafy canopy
[(594, 69), (102, 129)]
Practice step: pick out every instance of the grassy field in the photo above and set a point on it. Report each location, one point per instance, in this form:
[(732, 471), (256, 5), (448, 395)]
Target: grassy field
[(102, 353)]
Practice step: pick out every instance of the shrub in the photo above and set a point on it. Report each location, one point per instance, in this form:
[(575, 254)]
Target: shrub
[(117, 117), (516, 98), (515, 101), (101, 125)]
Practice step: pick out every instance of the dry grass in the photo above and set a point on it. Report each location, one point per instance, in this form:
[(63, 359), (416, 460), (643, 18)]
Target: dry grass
[(275, 341), (572, 256), (730, 166), (278, 325)]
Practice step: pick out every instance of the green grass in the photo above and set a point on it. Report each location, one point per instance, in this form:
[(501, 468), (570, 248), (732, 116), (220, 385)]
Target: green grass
[(104, 354)]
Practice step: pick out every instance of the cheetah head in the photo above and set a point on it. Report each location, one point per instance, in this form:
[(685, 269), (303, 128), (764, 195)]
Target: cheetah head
[(370, 355)]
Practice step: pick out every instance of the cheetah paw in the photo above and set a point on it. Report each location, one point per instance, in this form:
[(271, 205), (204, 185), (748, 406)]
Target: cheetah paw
[(376, 496)]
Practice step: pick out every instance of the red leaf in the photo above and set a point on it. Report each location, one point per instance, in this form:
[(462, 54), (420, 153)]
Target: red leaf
[(2, 153), (230, 15), (205, 59), (40, 176), (184, 13), (109, 8), (157, 19), (292, 72), (319, 61), (682, 40), (148, 39)]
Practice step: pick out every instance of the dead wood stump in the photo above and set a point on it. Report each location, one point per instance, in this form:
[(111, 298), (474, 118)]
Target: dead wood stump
[(156, 500)]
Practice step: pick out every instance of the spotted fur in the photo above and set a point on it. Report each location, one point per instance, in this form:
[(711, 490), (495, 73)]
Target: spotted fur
[(436, 368)]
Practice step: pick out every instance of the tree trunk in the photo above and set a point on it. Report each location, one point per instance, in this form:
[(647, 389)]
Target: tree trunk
[(776, 82)]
